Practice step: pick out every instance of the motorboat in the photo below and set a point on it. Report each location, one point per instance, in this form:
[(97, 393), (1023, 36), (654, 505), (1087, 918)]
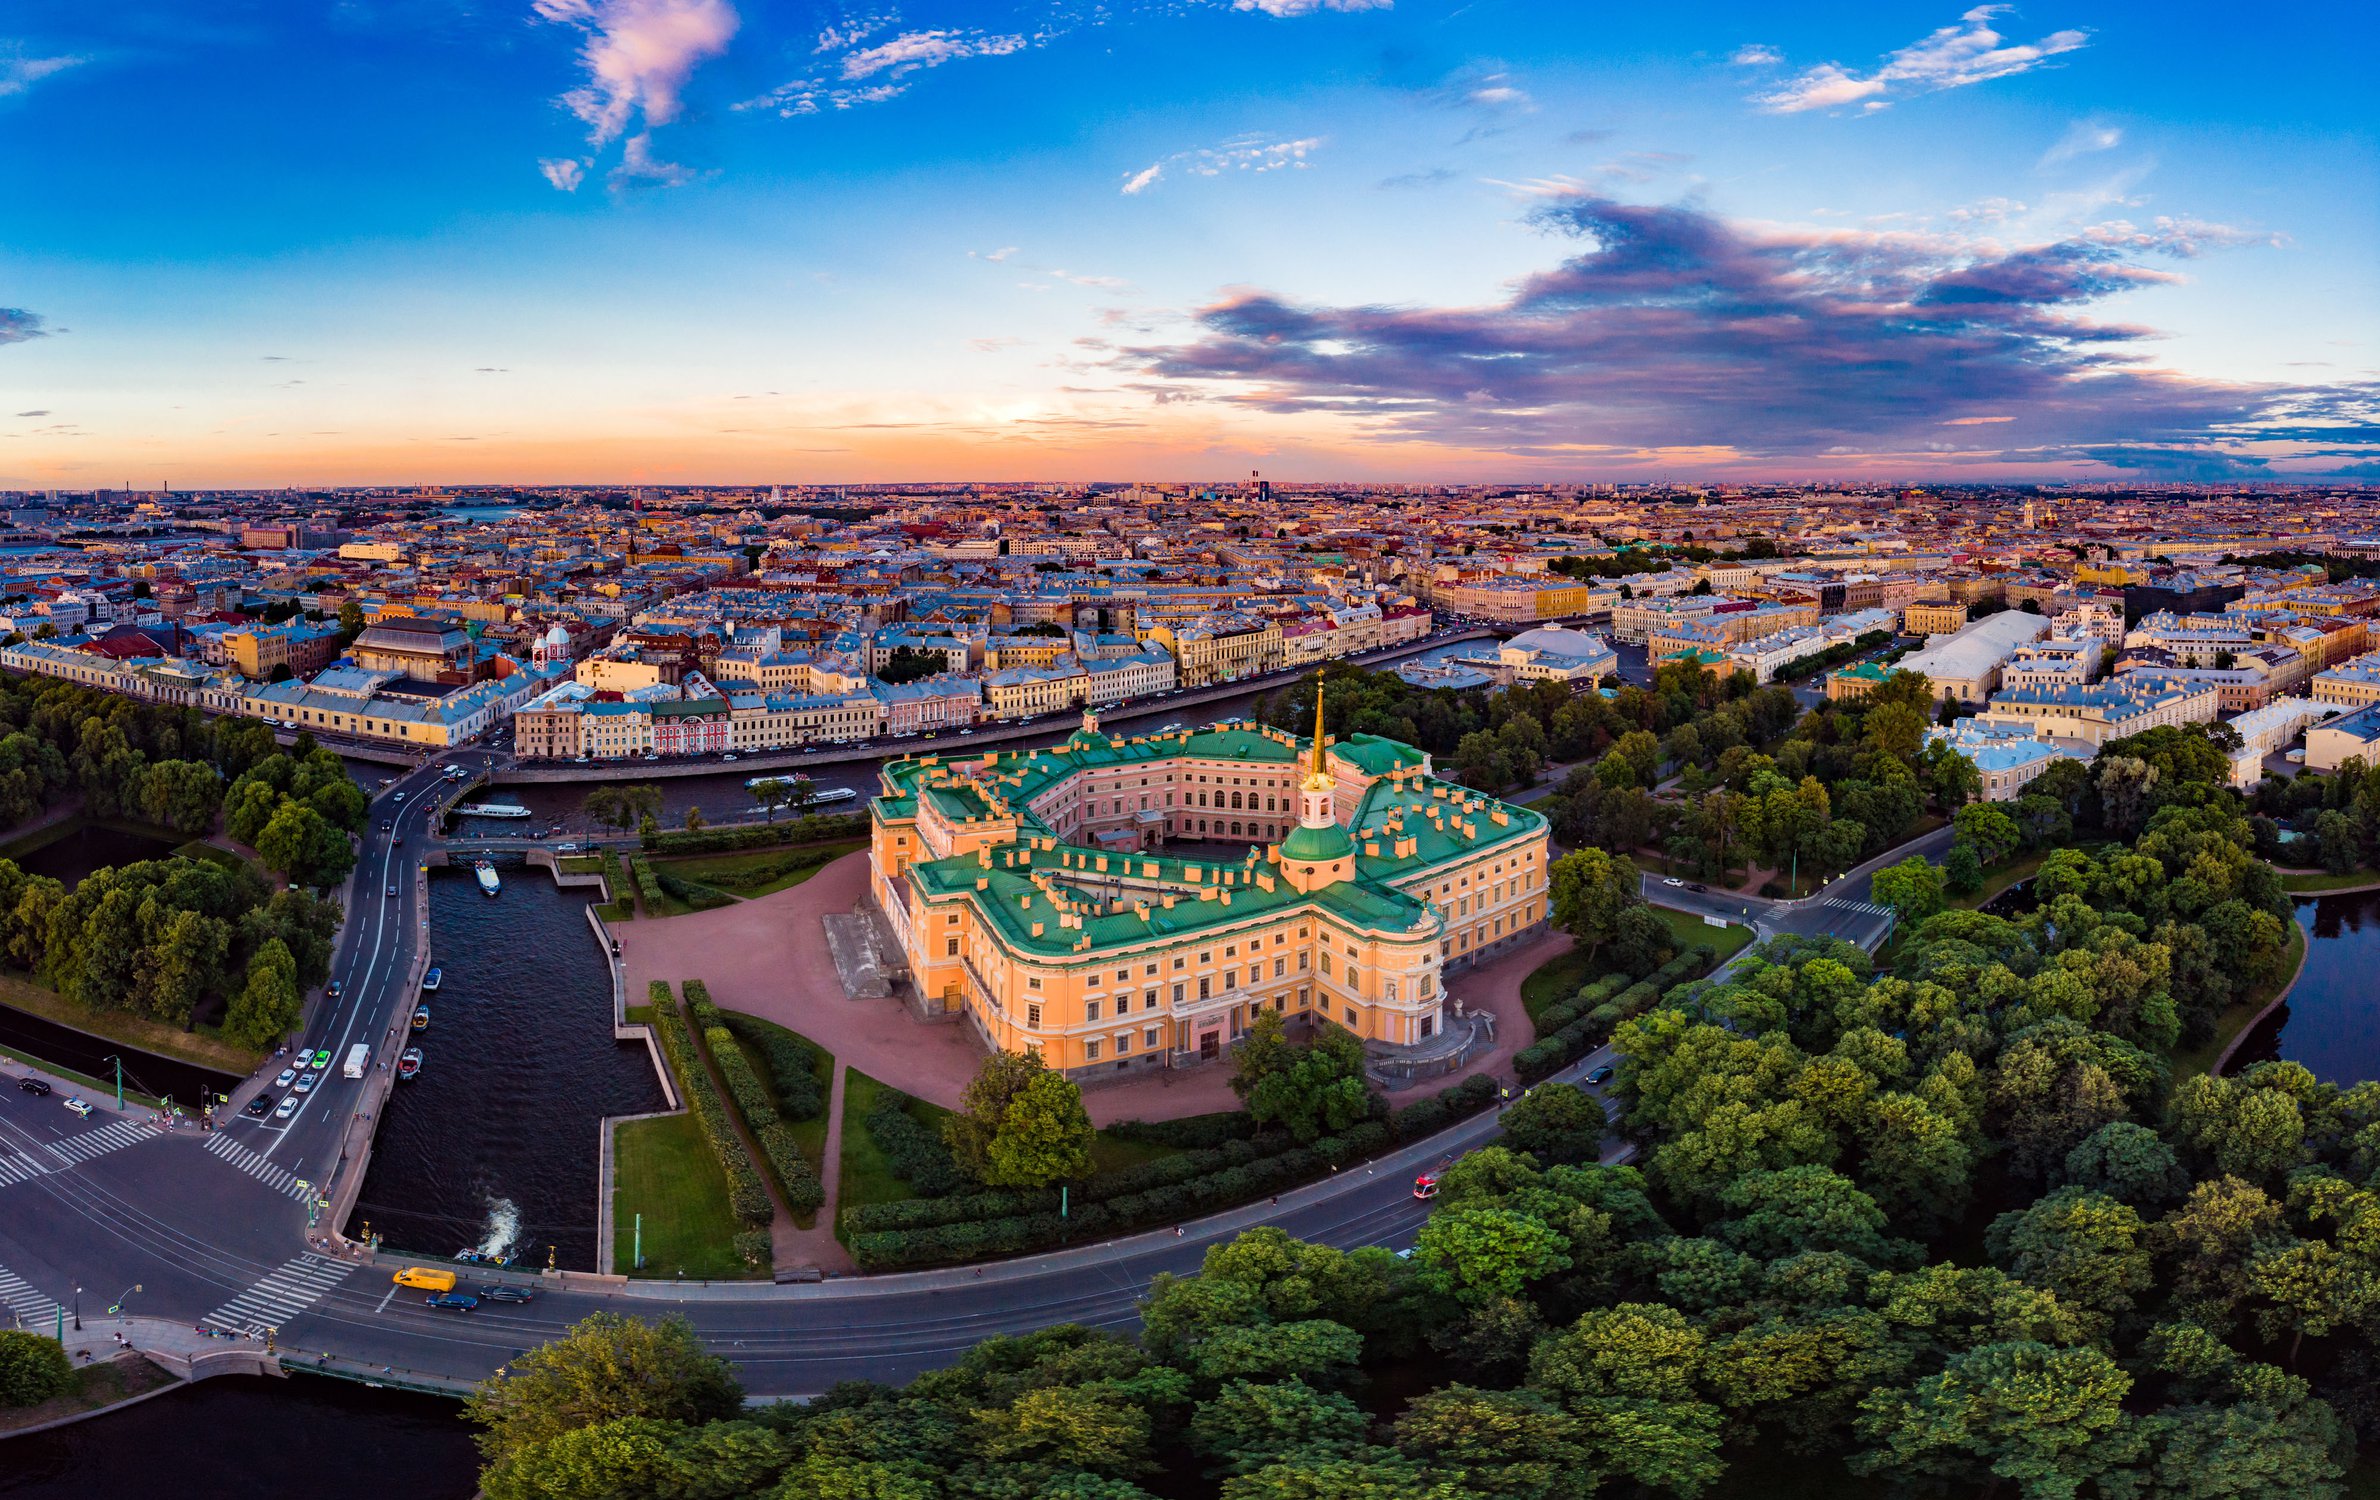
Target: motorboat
[(421, 1019), (409, 1063), (489, 810), (430, 978), (488, 884)]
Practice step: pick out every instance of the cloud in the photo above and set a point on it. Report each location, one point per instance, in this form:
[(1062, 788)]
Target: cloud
[(995, 256), (2081, 139), (19, 72), (926, 49), (1674, 329), (1286, 8), (1104, 283), (18, 325), (1988, 211), (43, 412), (638, 55), (1756, 55), (1952, 57), (640, 168), (1430, 178), (1247, 153), (563, 173)]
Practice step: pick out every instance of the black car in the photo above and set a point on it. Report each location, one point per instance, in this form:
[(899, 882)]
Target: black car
[(260, 1106), (507, 1294), (1696, 885), (1598, 1077), (37, 1087), (452, 1301)]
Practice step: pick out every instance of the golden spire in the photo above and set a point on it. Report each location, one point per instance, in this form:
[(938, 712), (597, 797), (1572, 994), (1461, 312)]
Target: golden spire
[(1318, 768)]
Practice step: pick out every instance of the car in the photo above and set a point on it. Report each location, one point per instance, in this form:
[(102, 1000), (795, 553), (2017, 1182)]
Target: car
[(39, 1088), (400, 796), (451, 1301), (288, 1077), (260, 1106), (399, 840), (392, 889), (727, 757), (322, 1058), (566, 848), (1597, 1077), (515, 1294), (384, 827), (1673, 881), (333, 990), (79, 1107), (288, 1108), (305, 1084)]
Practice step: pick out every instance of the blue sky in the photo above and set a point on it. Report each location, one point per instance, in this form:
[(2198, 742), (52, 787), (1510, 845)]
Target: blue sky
[(558, 240)]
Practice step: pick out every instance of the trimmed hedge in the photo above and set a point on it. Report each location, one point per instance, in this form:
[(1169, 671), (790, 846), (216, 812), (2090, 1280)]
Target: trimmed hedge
[(774, 869), (792, 1067), (728, 840), (1553, 1052), (915, 1153), (746, 1194), (694, 893), (1242, 1163), (754, 1246), (1556, 1016), (796, 1179), (647, 888), (1190, 1133)]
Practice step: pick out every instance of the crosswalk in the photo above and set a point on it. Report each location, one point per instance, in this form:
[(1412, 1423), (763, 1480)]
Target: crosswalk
[(26, 1306), (288, 1290), (113, 1136), (16, 1167), (1868, 907), (279, 1179)]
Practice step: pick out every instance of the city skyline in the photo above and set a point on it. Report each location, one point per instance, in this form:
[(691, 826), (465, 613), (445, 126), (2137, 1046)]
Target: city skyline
[(688, 241)]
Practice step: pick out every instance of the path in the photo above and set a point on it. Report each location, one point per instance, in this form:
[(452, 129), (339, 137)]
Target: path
[(793, 1245)]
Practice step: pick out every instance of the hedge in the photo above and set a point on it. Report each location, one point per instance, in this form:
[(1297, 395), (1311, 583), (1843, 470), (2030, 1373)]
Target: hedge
[(746, 1194), (694, 893), (1553, 1052), (915, 1153), (647, 888), (1431, 1115), (774, 869), (1560, 1014), (728, 840), (796, 1179), (791, 1066), (1190, 1133)]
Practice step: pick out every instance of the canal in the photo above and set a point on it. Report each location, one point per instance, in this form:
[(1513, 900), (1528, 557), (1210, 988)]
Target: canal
[(496, 1146), (2327, 1024)]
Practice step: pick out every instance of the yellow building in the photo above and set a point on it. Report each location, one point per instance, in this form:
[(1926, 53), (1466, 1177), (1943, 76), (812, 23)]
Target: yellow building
[(1031, 895), (1935, 618), (1221, 649)]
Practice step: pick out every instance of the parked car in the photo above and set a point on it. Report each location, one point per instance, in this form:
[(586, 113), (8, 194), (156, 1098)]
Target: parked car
[(515, 1294), (39, 1088), (452, 1301)]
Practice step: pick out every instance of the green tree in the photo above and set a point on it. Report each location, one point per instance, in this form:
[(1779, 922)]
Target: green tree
[(1912, 888), (1311, 1088), (605, 1368), (1627, 1373), (1962, 870), (1020, 1125), (183, 795), (1991, 833), (2048, 1421), (769, 794), (1478, 1252), (1514, 1444), (303, 845), (1247, 1425), (33, 1369), (2089, 1249), (1590, 890), (269, 1005), (1556, 1123), (624, 1459)]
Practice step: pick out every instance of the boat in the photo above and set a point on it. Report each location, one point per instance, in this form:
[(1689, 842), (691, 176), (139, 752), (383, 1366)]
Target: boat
[(486, 872), (489, 810), (421, 1018), (409, 1062), (430, 978), (817, 794)]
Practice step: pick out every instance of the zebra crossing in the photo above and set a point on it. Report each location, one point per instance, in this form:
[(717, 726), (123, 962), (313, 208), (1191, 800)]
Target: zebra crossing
[(27, 1306), (113, 1136), (284, 1292), (16, 1167), (279, 1179), (1869, 907)]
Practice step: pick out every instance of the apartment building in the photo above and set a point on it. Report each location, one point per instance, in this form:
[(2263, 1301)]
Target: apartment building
[(2111, 710)]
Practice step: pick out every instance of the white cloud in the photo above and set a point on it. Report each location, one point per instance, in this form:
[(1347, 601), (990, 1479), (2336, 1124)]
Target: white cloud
[(563, 172), (1248, 153), (638, 55), (1988, 211), (1308, 7), (639, 167), (1952, 57), (1756, 55), (913, 50), (1000, 254), (2081, 139), (1104, 283), (19, 72), (1141, 180)]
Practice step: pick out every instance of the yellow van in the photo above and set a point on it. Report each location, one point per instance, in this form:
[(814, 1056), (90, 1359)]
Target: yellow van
[(428, 1278)]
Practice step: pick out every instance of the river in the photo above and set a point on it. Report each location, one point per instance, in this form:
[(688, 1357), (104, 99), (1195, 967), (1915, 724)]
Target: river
[(497, 1143), (2327, 1024)]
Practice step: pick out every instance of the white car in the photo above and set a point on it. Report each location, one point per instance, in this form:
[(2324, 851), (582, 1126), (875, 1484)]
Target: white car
[(1673, 880), (305, 1083), (288, 1108), (78, 1106), (288, 1077)]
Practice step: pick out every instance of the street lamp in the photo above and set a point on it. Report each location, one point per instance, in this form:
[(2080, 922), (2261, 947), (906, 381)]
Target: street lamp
[(78, 1309)]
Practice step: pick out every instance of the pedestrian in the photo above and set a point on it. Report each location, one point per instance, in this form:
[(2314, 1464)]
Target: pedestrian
[(1276, 1200), (1177, 1231)]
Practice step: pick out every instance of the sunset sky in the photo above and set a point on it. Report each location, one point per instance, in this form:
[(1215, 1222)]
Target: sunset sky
[(408, 241)]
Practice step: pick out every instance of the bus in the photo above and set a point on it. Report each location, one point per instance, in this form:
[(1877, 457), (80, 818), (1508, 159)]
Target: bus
[(359, 1060)]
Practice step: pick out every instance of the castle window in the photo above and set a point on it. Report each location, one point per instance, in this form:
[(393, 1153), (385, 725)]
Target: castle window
[(1033, 1017), (1091, 1011)]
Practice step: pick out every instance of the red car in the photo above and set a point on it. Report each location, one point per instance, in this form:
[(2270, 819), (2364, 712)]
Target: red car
[(1425, 1186)]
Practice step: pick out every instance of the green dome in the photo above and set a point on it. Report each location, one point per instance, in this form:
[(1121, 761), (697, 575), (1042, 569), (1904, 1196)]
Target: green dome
[(1315, 846)]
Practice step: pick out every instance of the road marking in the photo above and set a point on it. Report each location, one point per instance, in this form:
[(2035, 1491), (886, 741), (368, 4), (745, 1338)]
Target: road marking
[(113, 1136), (284, 1292), (279, 1179), (19, 1297), (386, 1298), (16, 1168), (1869, 907)]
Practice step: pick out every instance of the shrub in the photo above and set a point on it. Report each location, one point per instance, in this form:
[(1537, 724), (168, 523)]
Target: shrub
[(745, 1192), (33, 1369), (752, 1247), (1191, 1133), (915, 1153), (765, 871), (792, 1068), (743, 1085), (694, 893), (1431, 1115), (810, 830), (804, 1193)]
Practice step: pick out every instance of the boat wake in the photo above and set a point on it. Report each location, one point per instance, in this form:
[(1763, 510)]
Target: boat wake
[(503, 1230)]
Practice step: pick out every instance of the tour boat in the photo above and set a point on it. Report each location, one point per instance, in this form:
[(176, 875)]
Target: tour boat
[(430, 978), (488, 883), (489, 810), (822, 794), (409, 1062)]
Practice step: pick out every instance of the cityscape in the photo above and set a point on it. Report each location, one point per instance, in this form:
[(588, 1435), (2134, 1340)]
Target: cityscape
[(1259, 750)]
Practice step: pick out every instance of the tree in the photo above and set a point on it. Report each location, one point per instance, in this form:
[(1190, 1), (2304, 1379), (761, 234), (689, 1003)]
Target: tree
[(1514, 1444), (1912, 888), (694, 820), (605, 1368), (1556, 1123), (1590, 891), (33, 1369), (2129, 1163), (1990, 832), (1962, 870), (1310, 1089), (909, 663), (607, 1461), (2050, 1421), (2089, 1249), (269, 1006), (1477, 1252), (1627, 1374), (1247, 1425), (769, 794), (1020, 1125), (301, 844), (183, 795)]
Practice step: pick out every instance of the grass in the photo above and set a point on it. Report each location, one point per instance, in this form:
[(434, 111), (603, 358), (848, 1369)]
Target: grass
[(722, 870), (622, 910), (579, 864), (201, 849), (867, 1176), (98, 1089), (2196, 1060), (204, 1046), (663, 1169), (95, 1386), (2312, 885), (1565, 974), (1687, 930), (809, 1135)]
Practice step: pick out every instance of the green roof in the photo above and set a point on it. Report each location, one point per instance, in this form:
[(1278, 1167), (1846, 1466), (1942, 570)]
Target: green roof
[(1316, 846)]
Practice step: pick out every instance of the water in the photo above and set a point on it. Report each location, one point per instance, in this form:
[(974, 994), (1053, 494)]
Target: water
[(144, 1072), (496, 1145), (261, 1439), (84, 847), (2327, 1024)]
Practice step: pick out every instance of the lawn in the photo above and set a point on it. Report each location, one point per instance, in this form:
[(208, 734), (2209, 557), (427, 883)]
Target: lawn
[(2315, 885), (1566, 974), (1687, 930), (663, 1169), (204, 1046), (867, 1176), (212, 854), (2196, 1060), (95, 1386), (808, 1134), (728, 871)]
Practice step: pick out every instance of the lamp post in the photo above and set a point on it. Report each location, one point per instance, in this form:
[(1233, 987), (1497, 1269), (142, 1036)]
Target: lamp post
[(78, 1309)]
